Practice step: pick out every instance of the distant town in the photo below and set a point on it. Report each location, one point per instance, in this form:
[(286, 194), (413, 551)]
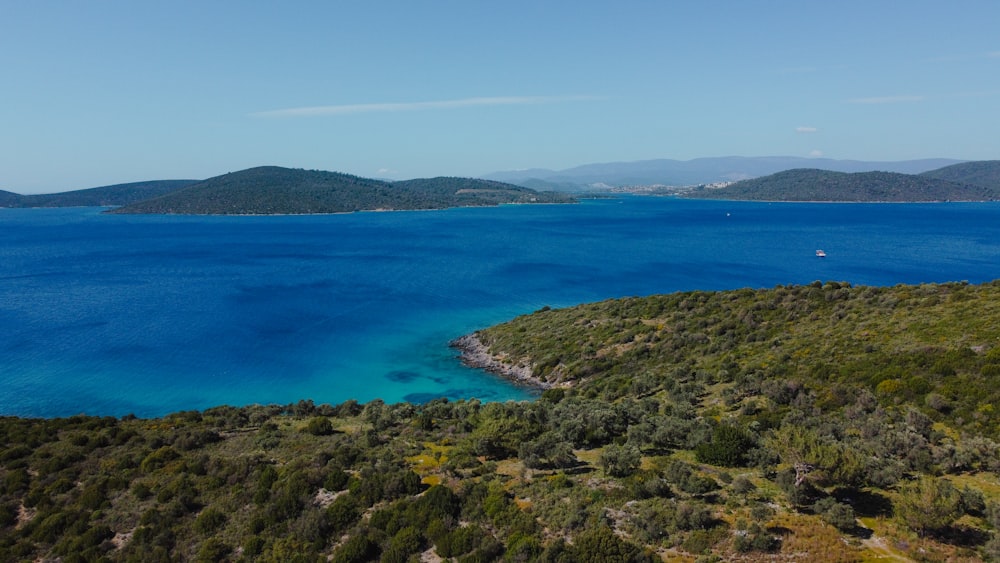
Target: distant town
[(659, 189)]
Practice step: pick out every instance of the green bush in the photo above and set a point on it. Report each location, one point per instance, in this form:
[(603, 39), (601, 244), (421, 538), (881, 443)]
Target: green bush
[(319, 426), (835, 513), (729, 447), (209, 521), (357, 549)]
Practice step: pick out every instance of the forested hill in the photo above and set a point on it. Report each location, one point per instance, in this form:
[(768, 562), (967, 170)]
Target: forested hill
[(271, 190), (984, 173), (104, 196), (824, 185), (9, 199)]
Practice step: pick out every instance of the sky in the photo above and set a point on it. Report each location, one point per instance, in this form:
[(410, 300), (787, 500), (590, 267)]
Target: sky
[(106, 92)]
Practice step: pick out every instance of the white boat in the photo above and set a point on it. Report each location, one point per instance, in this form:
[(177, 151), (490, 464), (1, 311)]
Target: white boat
[(820, 254)]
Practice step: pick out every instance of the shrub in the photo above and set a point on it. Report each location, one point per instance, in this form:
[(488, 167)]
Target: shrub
[(729, 446), (209, 521), (319, 426), (835, 513), (213, 550), (343, 512), (601, 544), (357, 549)]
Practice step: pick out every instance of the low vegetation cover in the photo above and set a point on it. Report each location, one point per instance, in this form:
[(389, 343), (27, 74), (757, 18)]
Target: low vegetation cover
[(270, 190), (824, 185), (818, 422)]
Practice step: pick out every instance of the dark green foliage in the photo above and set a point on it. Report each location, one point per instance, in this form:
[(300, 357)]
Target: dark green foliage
[(825, 185), (209, 521), (212, 550), (342, 513), (729, 446), (601, 545), (357, 549), (385, 484), (319, 426)]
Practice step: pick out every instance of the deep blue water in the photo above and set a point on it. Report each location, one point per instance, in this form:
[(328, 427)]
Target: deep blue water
[(110, 314)]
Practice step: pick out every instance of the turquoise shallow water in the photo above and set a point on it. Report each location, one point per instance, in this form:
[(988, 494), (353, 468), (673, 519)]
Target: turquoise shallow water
[(109, 314)]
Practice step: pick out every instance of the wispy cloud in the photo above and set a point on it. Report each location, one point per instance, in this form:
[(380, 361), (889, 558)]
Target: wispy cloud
[(797, 70), (965, 57), (815, 153), (886, 100), (349, 109), (806, 129)]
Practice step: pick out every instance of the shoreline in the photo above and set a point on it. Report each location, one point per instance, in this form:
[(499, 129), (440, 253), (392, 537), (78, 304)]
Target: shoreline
[(475, 354)]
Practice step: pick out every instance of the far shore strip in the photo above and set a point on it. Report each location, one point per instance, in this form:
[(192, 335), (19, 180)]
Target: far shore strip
[(476, 354)]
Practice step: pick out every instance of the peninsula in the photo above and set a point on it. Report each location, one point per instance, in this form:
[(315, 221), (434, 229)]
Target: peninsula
[(824, 422), (818, 421)]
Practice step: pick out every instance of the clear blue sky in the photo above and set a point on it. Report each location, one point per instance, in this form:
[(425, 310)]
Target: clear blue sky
[(103, 92)]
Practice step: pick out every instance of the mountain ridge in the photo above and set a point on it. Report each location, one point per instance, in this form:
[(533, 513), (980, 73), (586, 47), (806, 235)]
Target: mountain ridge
[(102, 196), (810, 184)]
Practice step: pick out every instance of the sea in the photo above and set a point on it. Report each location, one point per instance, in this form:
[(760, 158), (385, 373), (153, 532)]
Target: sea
[(113, 315)]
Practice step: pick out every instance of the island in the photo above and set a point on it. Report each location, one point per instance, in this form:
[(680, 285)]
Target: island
[(805, 184), (272, 190), (821, 422)]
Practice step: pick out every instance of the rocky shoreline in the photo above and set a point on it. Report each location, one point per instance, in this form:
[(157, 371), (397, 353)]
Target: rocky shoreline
[(477, 355)]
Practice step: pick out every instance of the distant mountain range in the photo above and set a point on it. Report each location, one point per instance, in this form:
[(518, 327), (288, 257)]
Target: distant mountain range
[(693, 172), (271, 190)]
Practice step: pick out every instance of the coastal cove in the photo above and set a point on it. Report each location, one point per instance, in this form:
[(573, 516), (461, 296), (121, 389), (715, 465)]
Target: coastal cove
[(116, 314)]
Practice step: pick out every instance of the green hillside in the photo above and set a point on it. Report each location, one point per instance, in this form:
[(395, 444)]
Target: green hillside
[(271, 190), (824, 185), (983, 173), (105, 196), (800, 423)]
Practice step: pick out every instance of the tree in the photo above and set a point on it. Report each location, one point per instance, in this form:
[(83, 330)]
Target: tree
[(620, 461), (928, 505), (728, 447), (319, 426), (818, 459)]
